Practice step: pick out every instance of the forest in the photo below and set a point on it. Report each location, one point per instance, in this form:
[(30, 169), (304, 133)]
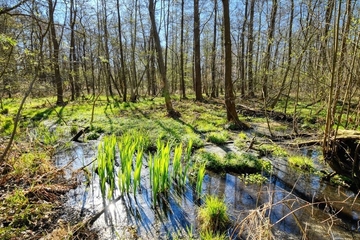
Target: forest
[(203, 119)]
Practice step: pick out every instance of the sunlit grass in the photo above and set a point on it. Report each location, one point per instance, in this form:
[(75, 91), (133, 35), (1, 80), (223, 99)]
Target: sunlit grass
[(301, 162), (254, 178), (239, 163), (274, 150), (213, 216), (218, 138), (31, 164)]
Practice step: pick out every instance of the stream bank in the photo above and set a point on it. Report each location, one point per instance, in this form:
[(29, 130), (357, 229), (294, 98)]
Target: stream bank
[(297, 203)]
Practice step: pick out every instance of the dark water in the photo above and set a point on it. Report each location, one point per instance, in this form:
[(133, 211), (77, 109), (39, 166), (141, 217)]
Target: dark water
[(289, 193)]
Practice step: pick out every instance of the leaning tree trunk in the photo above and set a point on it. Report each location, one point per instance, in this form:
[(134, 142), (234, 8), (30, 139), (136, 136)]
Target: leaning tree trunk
[(161, 64), (229, 94)]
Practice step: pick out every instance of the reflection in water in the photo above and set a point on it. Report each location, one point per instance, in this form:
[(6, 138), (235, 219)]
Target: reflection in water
[(288, 192)]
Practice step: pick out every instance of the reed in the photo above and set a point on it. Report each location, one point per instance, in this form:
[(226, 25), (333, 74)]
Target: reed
[(154, 178), (138, 166), (187, 162), (159, 170), (177, 165), (106, 161), (127, 151), (200, 178)]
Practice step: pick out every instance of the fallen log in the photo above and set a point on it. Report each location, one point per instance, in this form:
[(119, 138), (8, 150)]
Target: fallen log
[(78, 135)]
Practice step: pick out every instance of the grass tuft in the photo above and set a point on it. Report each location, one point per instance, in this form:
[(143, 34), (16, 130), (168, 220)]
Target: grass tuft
[(213, 216), (218, 138), (301, 162)]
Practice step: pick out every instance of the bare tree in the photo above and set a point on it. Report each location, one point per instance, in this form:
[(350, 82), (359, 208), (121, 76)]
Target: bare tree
[(197, 64), (213, 54), (161, 64), (229, 94), (55, 57), (270, 41)]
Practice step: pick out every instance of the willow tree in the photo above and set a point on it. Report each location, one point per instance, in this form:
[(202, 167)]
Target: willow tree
[(161, 63), (229, 93)]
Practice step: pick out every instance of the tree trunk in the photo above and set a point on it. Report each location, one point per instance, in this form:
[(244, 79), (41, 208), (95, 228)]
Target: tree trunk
[(289, 58), (270, 41), (250, 50), (122, 62), (197, 64), (160, 59), (213, 55), (229, 94), (182, 78), (241, 57), (55, 58)]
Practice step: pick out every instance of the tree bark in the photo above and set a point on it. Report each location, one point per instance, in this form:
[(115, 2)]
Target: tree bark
[(197, 64), (55, 59), (182, 78), (161, 64), (229, 94), (122, 61), (270, 41), (213, 55), (250, 51)]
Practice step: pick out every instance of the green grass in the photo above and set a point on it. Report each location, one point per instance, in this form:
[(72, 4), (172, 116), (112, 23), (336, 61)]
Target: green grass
[(232, 162), (213, 216), (209, 235), (301, 162), (273, 149), (254, 178), (31, 164), (218, 138)]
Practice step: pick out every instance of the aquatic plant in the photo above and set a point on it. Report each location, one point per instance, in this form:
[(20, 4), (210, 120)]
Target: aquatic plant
[(138, 166), (127, 146), (106, 165), (176, 164), (213, 215), (159, 163), (200, 178)]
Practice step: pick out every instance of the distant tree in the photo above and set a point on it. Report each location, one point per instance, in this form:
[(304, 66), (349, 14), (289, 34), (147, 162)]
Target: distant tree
[(6, 9)]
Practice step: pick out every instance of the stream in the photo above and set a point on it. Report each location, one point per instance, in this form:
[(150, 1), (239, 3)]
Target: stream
[(297, 198)]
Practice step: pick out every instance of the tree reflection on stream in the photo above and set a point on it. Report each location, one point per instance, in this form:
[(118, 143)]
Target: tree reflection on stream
[(287, 190)]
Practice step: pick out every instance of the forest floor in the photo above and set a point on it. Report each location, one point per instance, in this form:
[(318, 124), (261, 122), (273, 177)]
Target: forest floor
[(33, 189)]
